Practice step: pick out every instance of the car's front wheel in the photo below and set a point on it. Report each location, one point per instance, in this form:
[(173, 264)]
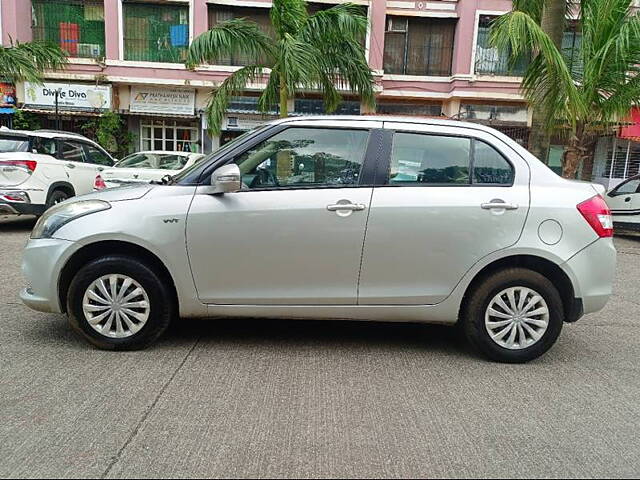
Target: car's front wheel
[(513, 315), (118, 303)]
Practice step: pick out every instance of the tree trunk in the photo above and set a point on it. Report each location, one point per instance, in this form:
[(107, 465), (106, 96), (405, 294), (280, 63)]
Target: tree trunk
[(284, 98), (579, 150), (553, 21)]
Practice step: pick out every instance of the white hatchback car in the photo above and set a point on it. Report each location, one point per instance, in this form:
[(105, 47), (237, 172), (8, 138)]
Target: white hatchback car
[(624, 202), (145, 167), (366, 218), (41, 168)]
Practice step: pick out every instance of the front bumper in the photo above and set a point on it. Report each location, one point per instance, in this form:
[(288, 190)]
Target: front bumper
[(42, 262)]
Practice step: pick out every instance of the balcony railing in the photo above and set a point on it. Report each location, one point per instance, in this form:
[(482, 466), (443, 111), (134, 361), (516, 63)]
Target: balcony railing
[(76, 26)]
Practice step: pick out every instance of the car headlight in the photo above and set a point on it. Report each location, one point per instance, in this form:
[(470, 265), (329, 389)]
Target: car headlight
[(54, 218)]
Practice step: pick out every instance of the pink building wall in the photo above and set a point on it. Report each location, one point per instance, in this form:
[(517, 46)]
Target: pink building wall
[(16, 23)]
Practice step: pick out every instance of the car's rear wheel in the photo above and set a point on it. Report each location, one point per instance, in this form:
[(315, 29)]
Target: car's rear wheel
[(56, 197), (513, 315), (119, 303)]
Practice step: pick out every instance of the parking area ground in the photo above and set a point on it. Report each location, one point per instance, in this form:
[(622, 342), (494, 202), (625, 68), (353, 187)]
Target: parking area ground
[(257, 398)]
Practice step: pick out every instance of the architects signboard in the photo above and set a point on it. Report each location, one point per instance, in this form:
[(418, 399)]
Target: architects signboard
[(71, 96), (170, 101)]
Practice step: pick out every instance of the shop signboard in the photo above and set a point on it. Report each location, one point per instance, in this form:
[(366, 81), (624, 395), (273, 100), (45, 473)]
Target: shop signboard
[(72, 97), (7, 95), (169, 101)]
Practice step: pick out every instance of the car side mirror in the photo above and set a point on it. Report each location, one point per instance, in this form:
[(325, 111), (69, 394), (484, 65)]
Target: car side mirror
[(226, 179)]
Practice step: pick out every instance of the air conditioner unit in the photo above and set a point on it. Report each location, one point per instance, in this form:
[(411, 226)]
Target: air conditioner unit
[(397, 24), (90, 50)]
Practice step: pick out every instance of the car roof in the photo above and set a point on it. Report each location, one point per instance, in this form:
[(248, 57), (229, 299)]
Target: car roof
[(44, 133), (386, 118)]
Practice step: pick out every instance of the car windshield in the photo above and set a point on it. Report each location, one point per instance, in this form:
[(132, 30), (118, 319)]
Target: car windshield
[(161, 161), (227, 146), (9, 143)]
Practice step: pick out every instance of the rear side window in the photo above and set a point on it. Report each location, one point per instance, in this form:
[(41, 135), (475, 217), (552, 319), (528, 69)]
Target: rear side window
[(44, 146), (446, 160), (10, 144), (73, 152)]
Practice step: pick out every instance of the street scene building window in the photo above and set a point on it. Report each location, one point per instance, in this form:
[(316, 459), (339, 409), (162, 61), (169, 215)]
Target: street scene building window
[(222, 13), (156, 32), (418, 46), (169, 135), (491, 61), (616, 158), (409, 108), (77, 26), (572, 47), (315, 106)]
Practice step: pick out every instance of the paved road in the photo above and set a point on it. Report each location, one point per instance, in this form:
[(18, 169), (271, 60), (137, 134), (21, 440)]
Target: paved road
[(316, 399)]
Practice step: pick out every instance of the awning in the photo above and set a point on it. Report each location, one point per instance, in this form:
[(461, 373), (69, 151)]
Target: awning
[(65, 113), (7, 111)]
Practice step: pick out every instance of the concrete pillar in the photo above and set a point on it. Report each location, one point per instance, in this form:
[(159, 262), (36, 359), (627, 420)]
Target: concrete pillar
[(112, 29), (376, 36), (16, 21), (200, 16), (463, 42)]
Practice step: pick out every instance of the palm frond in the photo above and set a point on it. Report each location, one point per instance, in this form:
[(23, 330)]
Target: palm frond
[(28, 61), (288, 16), (547, 80), (237, 36), (341, 21), (232, 86)]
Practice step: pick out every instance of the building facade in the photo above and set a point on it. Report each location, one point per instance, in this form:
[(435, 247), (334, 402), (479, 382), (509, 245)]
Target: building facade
[(430, 58)]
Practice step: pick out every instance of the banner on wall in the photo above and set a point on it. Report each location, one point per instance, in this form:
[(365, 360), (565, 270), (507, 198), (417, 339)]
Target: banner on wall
[(170, 101), (70, 96)]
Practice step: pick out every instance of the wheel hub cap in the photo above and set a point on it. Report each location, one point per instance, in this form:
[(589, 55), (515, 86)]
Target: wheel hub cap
[(116, 306), (517, 318)]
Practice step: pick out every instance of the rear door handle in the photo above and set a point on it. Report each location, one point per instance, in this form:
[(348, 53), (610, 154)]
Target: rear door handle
[(354, 207), (499, 205), (71, 165)]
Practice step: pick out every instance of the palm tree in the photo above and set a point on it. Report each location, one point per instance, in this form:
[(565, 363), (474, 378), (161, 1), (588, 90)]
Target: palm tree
[(589, 99), (27, 61), (321, 52)]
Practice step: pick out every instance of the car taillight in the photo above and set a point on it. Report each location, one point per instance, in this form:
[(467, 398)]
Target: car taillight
[(597, 214), (28, 165), (99, 183)]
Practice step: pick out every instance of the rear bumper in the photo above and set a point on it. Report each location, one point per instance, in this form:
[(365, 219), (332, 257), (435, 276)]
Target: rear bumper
[(592, 271), (18, 202)]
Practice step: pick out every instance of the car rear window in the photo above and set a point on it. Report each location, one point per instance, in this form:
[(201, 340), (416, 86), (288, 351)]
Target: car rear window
[(11, 143)]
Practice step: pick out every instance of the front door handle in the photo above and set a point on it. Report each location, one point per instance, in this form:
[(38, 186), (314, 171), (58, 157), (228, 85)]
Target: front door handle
[(499, 205), (71, 165), (354, 207)]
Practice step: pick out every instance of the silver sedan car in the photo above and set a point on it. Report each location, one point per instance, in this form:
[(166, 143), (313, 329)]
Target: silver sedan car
[(364, 218)]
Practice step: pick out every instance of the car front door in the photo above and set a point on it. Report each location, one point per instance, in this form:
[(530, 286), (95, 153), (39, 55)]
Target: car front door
[(80, 172), (624, 201), (293, 235), (447, 198)]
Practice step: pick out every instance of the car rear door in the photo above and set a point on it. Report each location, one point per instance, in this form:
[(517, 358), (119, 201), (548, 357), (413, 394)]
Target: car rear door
[(294, 234), (445, 198)]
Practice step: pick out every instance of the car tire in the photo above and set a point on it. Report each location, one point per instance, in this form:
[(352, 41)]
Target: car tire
[(57, 196), (483, 326), (133, 334)]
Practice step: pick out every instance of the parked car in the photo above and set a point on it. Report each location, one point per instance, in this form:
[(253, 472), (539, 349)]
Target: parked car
[(42, 168), (367, 218), (144, 167), (624, 202)]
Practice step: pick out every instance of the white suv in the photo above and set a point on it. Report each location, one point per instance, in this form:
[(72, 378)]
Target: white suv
[(41, 168), (362, 218)]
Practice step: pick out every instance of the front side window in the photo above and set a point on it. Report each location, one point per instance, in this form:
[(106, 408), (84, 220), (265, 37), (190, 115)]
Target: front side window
[(98, 157), (156, 32), (305, 157), (77, 26), (629, 187), (445, 160)]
